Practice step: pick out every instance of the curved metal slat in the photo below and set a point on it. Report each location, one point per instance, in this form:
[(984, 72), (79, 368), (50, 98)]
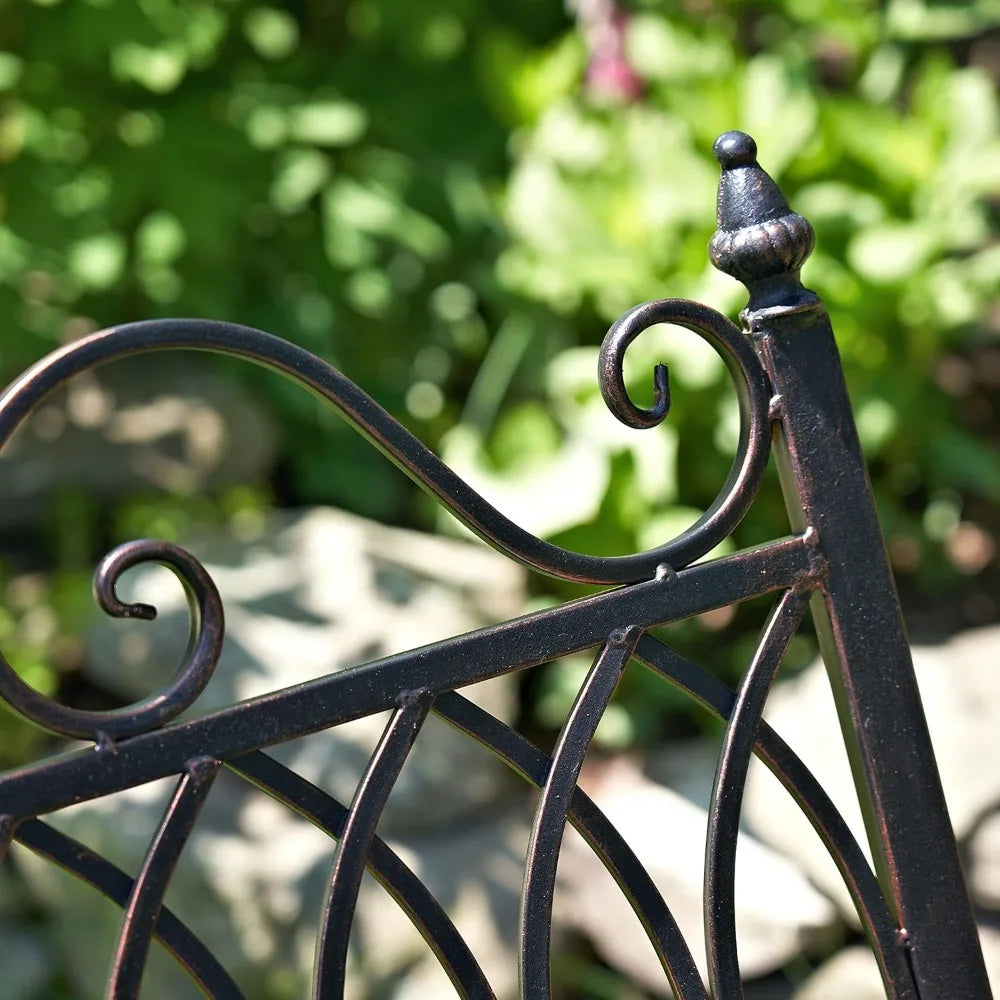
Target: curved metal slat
[(530, 763), (146, 898), (534, 951), (423, 910), (111, 881), (727, 795), (352, 848), (815, 804)]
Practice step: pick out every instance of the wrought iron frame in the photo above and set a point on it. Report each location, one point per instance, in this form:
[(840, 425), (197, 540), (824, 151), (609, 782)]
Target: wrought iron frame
[(784, 364)]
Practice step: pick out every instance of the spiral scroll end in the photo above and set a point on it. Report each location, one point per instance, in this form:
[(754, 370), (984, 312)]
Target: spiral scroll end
[(759, 239), (611, 374), (145, 612), (105, 584), (661, 391)]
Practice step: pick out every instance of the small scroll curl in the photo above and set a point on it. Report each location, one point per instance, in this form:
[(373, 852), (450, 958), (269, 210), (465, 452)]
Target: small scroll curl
[(195, 671), (752, 391)]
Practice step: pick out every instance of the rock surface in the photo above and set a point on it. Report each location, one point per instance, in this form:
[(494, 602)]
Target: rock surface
[(853, 973), (318, 591), (984, 863), (149, 422), (958, 686)]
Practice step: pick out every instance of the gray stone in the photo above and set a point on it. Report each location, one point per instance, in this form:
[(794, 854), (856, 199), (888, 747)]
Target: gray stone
[(319, 591), (778, 913), (957, 684), (854, 973), (150, 422), (850, 973), (687, 767), (983, 871)]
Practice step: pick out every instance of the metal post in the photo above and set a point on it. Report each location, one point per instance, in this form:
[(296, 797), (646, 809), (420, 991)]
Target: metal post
[(858, 619)]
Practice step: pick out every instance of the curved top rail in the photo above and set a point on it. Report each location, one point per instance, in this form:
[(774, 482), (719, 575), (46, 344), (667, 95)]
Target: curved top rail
[(418, 461)]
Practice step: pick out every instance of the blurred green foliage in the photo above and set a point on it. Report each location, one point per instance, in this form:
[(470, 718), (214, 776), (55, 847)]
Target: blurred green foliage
[(431, 197)]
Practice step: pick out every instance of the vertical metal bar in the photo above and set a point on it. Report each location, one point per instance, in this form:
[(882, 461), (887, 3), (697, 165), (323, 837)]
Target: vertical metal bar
[(857, 613)]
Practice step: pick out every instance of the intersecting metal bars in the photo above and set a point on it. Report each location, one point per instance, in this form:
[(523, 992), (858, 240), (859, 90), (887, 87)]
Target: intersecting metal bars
[(109, 880), (423, 910), (606, 842), (374, 687), (814, 802)]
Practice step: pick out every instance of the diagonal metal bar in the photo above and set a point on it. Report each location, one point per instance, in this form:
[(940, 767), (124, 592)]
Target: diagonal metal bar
[(393, 875), (111, 881), (534, 958), (607, 843), (816, 805), (352, 848), (146, 898), (374, 687), (727, 795)]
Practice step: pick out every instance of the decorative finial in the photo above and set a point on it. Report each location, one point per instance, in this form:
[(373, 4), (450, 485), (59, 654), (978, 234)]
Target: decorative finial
[(759, 239)]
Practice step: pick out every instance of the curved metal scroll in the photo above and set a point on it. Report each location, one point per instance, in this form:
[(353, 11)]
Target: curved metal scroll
[(204, 647), (414, 458)]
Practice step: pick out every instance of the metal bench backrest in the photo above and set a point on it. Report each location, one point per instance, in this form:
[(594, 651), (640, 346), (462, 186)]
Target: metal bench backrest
[(914, 907)]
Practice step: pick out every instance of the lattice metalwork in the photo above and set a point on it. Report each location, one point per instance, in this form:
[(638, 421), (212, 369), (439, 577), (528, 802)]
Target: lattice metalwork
[(784, 365)]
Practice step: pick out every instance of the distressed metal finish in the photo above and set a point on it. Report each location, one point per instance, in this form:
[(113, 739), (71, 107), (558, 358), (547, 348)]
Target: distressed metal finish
[(784, 365), (857, 615)]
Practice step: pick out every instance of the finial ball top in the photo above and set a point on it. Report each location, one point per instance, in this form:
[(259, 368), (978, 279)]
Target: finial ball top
[(735, 149)]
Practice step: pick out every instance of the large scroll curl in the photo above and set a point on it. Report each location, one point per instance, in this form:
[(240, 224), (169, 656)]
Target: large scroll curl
[(399, 445)]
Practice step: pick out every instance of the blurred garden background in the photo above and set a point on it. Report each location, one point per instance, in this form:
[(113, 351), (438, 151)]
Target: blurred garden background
[(451, 201)]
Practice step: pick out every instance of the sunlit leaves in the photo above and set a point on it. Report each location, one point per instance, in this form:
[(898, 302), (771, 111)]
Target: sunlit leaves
[(328, 123), (97, 261), (271, 31)]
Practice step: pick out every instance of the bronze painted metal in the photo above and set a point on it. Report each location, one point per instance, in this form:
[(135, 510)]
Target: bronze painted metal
[(784, 364)]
